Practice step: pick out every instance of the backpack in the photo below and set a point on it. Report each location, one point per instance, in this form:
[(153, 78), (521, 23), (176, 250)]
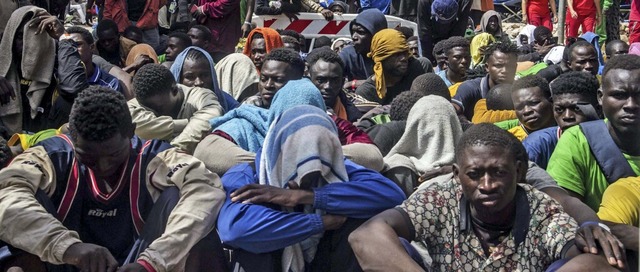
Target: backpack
[(612, 163)]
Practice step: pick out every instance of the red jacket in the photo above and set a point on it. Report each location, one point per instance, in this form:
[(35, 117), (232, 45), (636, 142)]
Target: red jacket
[(116, 10), (223, 19)]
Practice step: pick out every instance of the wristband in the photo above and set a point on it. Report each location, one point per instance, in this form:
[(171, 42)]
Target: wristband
[(247, 23), (353, 85), (588, 223), (146, 266)]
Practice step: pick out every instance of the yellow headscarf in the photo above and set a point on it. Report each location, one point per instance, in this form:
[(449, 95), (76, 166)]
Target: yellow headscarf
[(384, 44), (479, 42)]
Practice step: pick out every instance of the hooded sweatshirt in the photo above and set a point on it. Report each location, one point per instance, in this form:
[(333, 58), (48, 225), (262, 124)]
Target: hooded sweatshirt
[(484, 22), (359, 66)]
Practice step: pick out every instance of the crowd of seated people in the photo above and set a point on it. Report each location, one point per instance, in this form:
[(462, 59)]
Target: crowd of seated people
[(353, 156)]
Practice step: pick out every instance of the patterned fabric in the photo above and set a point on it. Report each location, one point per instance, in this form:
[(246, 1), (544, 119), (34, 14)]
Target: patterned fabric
[(441, 219)]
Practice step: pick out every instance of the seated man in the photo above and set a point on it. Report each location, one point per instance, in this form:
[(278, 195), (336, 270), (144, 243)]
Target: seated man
[(458, 58), (540, 46), (168, 111), (326, 71), (594, 154), (479, 218), (497, 107), (279, 66), (84, 46), (358, 66), (394, 69), (259, 43), (110, 45), (575, 100), (532, 101), (580, 56), (501, 62), (83, 199), (301, 165), (177, 43), (616, 48), (200, 36)]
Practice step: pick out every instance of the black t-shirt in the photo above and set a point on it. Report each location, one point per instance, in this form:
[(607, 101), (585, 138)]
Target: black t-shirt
[(368, 89), (135, 8)]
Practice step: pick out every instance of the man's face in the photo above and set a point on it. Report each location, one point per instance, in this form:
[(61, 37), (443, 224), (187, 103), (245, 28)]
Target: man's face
[(327, 76), (488, 176), (532, 108), (109, 40), (620, 100), (566, 110), (197, 38), (104, 158), (18, 43), (197, 74), (339, 46), (492, 25), (292, 46), (502, 67), (361, 38), (396, 65), (337, 9), (524, 39), (618, 49), (84, 49), (163, 104), (174, 47), (459, 59), (441, 61), (273, 76), (258, 52), (413, 48), (584, 58), (544, 39)]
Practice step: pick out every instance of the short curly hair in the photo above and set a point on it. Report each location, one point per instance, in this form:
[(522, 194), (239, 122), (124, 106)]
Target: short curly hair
[(324, 54), (86, 35), (438, 48), (5, 153), (98, 113), (531, 81), (453, 42), (430, 84), (504, 46), (486, 134), (207, 32), (182, 37), (540, 31), (402, 104), (288, 56), (626, 62), (151, 80), (575, 82), (499, 97), (105, 25)]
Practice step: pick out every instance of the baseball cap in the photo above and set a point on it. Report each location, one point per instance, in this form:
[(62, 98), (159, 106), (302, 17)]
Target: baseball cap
[(444, 11)]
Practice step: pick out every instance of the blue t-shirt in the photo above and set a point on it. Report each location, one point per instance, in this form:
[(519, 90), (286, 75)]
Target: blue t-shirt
[(540, 145)]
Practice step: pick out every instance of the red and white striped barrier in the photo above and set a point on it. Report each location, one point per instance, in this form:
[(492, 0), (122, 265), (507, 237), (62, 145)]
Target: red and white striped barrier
[(314, 25)]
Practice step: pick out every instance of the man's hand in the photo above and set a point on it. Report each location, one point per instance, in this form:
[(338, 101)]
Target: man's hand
[(132, 267), (292, 16), (612, 248), (256, 193), (555, 19), (246, 28), (598, 16), (543, 49), (573, 13), (524, 18), (142, 60), (90, 257), (199, 12), (332, 222), (327, 14), (6, 91), (49, 23), (89, 16)]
